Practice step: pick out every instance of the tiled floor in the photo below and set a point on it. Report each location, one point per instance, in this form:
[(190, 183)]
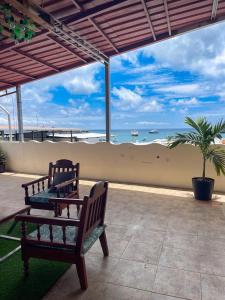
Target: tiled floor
[(163, 246)]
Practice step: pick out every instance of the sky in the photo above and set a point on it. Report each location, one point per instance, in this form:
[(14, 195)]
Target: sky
[(153, 87)]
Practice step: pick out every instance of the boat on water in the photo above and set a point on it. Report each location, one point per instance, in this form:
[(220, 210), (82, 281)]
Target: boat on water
[(153, 131), (134, 133)]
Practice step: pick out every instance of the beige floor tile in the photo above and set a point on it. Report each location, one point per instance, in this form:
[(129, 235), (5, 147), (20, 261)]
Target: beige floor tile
[(184, 259), (178, 283), (134, 274), (183, 225), (117, 232), (147, 252), (99, 267), (154, 222), (179, 240), (155, 296), (213, 287), (116, 247), (114, 292), (213, 245), (144, 235), (213, 264)]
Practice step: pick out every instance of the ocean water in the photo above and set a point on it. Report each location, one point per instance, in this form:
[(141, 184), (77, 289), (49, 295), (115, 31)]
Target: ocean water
[(124, 136)]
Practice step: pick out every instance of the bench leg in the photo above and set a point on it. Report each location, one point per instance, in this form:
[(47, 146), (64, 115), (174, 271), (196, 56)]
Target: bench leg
[(103, 241), (12, 227), (26, 266), (81, 271)]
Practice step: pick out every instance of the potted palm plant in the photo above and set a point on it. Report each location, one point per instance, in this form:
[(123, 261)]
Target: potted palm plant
[(203, 137), (2, 161)]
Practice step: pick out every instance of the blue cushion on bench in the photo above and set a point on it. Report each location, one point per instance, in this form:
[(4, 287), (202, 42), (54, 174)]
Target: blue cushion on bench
[(43, 196), (71, 235)]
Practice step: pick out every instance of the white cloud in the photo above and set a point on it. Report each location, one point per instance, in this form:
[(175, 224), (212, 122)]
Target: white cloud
[(78, 107), (79, 81), (180, 88), (185, 102), (126, 99), (201, 51), (119, 63), (151, 123), (151, 106)]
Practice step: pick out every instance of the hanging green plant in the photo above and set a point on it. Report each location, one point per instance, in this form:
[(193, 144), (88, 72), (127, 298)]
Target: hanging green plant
[(24, 30)]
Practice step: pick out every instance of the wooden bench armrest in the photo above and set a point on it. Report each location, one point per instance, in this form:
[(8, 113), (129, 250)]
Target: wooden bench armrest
[(65, 183), (66, 201), (40, 220), (24, 185)]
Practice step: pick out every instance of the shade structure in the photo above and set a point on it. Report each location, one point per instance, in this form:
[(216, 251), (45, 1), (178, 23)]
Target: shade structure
[(105, 27)]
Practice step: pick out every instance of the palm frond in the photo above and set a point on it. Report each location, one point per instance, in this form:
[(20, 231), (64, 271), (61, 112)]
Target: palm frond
[(203, 137), (184, 138), (217, 157), (218, 128)]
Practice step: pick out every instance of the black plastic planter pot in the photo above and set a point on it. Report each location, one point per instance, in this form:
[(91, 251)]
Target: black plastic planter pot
[(203, 188), (2, 168)]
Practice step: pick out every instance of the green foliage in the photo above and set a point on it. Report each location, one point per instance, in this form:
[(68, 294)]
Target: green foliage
[(3, 158), (203, 136), (23, 30)]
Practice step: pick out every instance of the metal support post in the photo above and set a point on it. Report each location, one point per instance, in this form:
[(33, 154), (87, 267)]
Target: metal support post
[(19, 113), (107, 101)]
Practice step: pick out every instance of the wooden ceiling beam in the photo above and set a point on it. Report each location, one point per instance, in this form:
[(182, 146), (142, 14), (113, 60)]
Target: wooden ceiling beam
[(6, 82), (148, 18), (67, 48), (167, 16), (103, 34), (78, 6), (96, 26)]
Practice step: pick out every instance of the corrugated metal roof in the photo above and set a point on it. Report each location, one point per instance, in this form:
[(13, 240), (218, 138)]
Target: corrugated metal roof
[(111, 27)]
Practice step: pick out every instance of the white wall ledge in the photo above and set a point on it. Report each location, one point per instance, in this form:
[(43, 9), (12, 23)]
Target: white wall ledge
[(151, 164)]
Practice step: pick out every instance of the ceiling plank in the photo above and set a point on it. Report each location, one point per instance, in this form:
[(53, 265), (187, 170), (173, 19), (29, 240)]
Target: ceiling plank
[(167, 16), (94, 11), (37, 60), (13, 45), (148, 18), (16, 71)]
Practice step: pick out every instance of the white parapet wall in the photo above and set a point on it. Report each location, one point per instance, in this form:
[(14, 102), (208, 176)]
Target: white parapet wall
[(152, 164)]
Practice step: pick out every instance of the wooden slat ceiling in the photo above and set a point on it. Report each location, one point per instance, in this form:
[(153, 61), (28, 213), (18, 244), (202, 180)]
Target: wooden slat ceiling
[(113, 27)]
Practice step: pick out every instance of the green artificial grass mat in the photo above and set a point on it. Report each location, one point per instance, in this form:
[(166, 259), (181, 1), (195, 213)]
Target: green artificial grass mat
[(42, 273), (42, 276), (16, 232), (7, 246)]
